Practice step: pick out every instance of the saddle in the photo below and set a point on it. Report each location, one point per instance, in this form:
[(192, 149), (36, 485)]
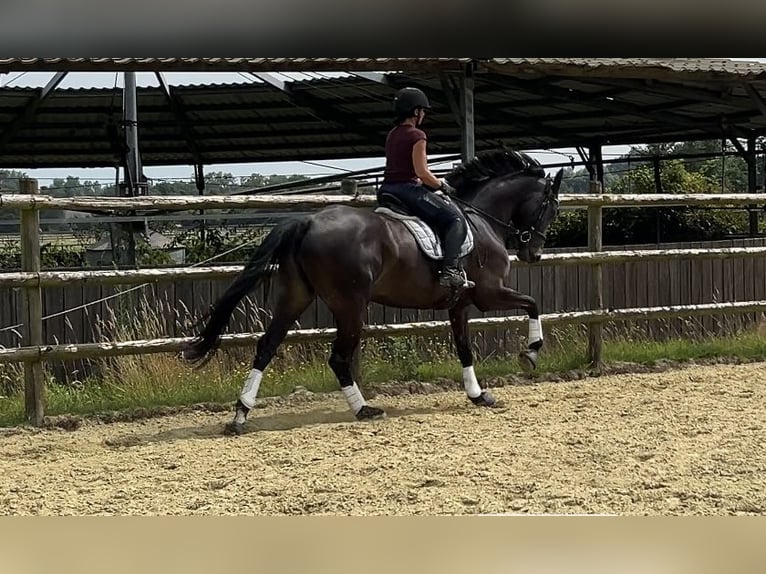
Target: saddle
[(424, 235)]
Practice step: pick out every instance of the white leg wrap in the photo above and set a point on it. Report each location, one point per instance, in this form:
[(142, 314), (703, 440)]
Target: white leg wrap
[(250, 388), (472, 387), (535, 331), (354, 397)]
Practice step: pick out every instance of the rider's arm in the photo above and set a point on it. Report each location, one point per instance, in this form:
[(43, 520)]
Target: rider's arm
[(420, 163)]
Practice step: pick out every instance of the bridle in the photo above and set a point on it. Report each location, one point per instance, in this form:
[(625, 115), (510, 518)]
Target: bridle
[(522, 236)]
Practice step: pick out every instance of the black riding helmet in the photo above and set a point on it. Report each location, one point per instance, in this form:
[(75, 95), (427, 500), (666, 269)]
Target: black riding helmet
[(407, 100)]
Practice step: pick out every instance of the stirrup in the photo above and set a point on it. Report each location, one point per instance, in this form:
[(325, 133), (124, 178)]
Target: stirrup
[(457, 279)]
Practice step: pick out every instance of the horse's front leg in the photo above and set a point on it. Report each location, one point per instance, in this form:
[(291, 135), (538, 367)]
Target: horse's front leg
[(458, 317), (505, 299)]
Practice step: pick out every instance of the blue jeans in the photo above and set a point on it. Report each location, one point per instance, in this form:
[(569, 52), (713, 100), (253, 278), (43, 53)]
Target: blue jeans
[(440, 214)]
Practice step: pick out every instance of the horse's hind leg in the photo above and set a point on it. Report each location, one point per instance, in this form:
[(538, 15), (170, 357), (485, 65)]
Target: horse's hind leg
[(349, 323), (295, 296)]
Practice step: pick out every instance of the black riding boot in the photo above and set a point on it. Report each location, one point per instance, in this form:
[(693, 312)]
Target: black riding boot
[(451, 275)]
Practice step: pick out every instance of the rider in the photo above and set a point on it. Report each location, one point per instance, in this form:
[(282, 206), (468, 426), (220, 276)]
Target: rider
[(408, 178)]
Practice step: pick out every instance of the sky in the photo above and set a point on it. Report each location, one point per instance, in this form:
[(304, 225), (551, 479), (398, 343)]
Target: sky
[(328, 167)]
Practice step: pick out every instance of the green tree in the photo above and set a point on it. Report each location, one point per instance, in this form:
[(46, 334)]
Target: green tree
[(9, 179), (9, 183), (256, 180), (174, 188), (639, 225)]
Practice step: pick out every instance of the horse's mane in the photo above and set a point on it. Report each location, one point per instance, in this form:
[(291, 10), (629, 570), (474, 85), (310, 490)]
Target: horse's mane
[(489, 165)]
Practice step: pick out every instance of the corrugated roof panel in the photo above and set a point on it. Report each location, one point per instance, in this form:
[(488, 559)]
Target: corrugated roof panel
[(685, 65), (717, 65), (238, 121), (224, 64)]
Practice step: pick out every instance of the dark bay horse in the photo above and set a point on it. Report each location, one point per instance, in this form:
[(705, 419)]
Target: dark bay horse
[(350, 256)]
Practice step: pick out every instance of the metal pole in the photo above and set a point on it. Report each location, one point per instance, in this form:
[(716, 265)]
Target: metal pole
[(131, 133), (199, 180), (468, 142), (124, 242)]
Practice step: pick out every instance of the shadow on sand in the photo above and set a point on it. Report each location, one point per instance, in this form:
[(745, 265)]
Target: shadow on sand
[(272, 422)]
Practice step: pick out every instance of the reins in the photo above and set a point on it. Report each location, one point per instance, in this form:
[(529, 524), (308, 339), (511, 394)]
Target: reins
[(523, 236)]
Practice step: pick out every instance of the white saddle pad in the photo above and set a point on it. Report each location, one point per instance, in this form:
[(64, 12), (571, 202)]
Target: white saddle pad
[(425, 237)]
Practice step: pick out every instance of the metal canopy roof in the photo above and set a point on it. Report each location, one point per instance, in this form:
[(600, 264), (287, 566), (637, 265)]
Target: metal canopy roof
[(522, 103)]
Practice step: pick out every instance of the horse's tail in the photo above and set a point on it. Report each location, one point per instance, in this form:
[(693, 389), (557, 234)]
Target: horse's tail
[(281, 241)]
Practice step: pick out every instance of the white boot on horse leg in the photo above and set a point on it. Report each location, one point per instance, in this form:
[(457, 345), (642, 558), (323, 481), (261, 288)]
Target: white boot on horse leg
[(528, 357), (475, 393), (362, 411), (246, 401)]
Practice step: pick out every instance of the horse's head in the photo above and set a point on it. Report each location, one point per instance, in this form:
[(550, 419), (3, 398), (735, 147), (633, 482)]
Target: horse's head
[(511, 191), (533, 215)]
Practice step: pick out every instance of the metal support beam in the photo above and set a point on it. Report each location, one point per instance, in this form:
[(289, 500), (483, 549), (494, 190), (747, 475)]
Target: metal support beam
[(176, 106), (603, 101), (52, 84), (199, 180), (468, 136), (740, 148), (30, 109), (272, 80), (122, 238), (397, 82), (133, 169), (597, 160), (378, 77), (449, 95), (664, 89), (321, 110), (756, 97), (586, 160)]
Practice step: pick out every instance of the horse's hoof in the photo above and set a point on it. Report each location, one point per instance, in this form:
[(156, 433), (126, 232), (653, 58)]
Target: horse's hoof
[(367, 413), (485, 399), (234, 429), (528, 360)]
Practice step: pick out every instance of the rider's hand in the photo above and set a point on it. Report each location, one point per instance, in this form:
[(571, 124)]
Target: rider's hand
[(446, 187)]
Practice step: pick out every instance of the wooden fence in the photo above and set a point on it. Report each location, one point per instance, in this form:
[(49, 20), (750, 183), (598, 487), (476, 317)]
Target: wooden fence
[(175, 298), (590, 288)]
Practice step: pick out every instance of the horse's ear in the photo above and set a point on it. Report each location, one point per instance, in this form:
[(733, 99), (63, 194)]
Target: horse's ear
[(557, 181)]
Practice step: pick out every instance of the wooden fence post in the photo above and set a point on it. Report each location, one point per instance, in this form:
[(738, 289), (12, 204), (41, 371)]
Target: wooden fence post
[(32, 307), (349, 187), (595, 243)]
